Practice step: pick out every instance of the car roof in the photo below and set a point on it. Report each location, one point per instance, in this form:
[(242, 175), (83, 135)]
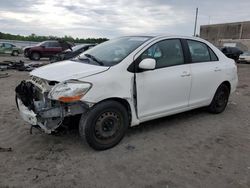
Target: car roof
[(50, 41), (169, 36)]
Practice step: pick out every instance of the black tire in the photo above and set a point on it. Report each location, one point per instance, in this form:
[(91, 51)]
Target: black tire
[(220, 99), (15, 53), (35, 56), (104, 126)]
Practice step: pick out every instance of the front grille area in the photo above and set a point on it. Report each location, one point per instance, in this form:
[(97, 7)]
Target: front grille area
[(49, 114)]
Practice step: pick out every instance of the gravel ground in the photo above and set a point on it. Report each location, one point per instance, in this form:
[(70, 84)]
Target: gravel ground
[(192, 149)]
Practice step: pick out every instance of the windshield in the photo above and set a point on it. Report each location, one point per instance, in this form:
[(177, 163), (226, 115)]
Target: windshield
[(41, 43), (114, 51)]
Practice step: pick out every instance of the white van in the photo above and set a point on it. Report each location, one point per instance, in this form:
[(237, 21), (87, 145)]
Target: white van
[(126, 81)]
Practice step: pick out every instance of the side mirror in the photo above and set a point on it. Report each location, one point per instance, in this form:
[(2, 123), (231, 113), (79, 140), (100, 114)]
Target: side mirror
[(43, 46), (147, 64)]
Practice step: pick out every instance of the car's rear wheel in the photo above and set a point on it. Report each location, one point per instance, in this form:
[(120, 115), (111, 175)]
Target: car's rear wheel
[(104, 125), (35, 56), (15, 53), (220, 100)]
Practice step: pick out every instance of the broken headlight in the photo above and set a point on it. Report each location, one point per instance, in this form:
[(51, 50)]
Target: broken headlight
[(69, 91)]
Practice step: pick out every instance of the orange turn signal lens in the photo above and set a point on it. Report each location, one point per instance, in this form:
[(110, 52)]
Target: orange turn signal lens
[(70, 99)]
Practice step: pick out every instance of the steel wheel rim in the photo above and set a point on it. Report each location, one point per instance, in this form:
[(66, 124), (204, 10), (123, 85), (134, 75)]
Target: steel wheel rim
[(221, 99), (107, 126)]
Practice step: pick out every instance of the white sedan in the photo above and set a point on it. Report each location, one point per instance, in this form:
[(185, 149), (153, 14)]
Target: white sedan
[(126, 81)]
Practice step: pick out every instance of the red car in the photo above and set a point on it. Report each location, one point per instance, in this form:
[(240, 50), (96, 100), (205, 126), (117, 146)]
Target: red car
[(44, 49)]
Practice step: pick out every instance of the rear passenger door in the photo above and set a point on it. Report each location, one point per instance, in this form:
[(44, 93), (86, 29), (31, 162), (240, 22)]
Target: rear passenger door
[(52, 48), (206, 73)]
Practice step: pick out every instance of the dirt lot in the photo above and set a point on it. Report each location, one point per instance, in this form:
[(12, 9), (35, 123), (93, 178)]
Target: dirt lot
[(193, 149)]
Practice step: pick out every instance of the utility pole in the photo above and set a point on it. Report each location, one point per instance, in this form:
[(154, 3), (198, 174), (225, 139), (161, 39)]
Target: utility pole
[(195, 22)]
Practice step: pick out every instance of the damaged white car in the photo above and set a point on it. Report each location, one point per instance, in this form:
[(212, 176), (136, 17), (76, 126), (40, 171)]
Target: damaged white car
[(126, 81)]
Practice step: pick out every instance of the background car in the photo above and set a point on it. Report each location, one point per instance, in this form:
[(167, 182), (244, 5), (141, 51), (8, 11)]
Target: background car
[(244, 58), (232, 52), (46, 49), (8, 48), (68, 54)]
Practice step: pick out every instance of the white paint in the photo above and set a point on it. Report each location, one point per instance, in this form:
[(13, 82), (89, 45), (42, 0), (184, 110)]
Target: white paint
[(147, 64), (160, 92), (66, 70)]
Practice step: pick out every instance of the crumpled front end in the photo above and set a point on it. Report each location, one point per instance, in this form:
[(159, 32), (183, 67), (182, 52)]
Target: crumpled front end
[(38, 110)]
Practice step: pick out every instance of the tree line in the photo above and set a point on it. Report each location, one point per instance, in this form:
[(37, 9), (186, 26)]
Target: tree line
[(36, 38)]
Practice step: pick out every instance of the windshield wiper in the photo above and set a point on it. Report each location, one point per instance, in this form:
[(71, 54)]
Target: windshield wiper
[(94, 59)]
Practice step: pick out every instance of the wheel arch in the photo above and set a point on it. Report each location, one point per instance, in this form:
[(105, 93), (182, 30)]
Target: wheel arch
[(227, 83), (34, 51), (123, 102)]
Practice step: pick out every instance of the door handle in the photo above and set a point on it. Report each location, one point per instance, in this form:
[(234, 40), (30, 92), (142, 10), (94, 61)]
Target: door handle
[(185, 74), (217, 69)]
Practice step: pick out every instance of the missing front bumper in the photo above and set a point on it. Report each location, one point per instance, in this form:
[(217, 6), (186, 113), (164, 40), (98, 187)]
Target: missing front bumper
[(49, 119), (36, 109)]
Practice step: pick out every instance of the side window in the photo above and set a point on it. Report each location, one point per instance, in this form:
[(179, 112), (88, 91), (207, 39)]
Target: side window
[(54, 44), (7, 45), (46, 44), (212, 55), (166, 53), (199, 51)]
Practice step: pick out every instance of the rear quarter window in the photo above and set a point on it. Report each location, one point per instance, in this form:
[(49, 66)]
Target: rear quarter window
[(213, 55), (200, 52)]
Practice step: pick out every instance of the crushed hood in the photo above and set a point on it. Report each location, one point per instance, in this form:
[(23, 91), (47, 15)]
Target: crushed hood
[(66, 70)]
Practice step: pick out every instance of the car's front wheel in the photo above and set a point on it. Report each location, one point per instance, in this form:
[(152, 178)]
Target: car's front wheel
[(220, 100), (15, 53), (35, 56), (104, 125)]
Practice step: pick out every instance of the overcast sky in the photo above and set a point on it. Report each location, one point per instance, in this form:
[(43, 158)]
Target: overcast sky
[(112, 18)]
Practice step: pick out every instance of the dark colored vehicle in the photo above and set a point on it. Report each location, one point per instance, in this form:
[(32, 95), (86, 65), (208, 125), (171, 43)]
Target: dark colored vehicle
[(68, 54), (8, 48), (45, 49), (232, 52)]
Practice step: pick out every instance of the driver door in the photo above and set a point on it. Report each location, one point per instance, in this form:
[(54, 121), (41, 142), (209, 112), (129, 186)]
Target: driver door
[(165, 89)]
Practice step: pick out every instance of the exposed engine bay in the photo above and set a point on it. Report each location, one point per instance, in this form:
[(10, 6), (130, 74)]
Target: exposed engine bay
[(35, 106)]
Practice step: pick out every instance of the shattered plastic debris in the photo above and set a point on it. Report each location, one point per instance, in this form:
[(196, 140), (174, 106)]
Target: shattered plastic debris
[(21, 65), (5, 149), (4, 75)]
